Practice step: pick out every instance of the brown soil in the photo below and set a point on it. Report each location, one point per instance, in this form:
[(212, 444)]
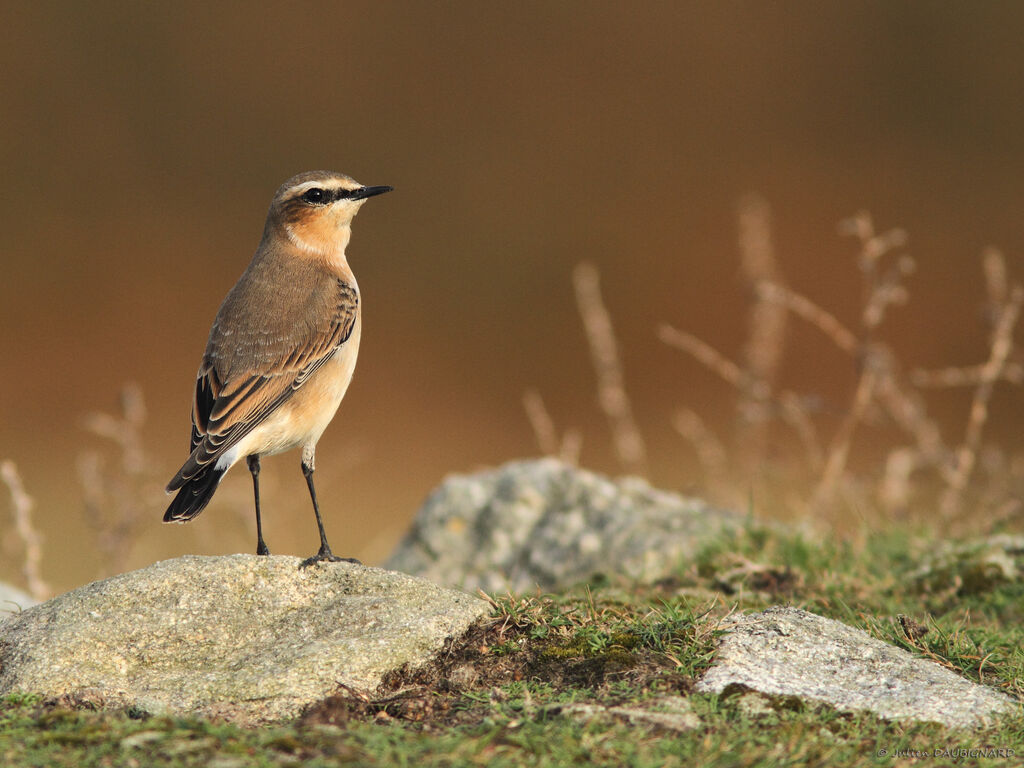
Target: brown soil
[(465, 682)]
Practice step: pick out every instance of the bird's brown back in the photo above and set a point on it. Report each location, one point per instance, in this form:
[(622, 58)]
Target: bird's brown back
[(279, 306)]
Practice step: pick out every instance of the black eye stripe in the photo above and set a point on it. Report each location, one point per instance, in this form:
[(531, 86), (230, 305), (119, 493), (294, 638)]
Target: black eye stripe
[(321, 196)]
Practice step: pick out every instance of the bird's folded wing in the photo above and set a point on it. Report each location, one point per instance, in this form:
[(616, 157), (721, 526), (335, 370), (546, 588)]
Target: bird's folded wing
[(223, 412)]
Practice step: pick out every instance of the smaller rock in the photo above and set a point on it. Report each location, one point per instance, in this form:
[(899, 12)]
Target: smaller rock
[(789, 652), (548, 524), (13, 600), (671, 713)]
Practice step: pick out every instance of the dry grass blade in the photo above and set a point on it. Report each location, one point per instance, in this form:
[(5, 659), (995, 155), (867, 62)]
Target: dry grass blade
[(568, 449), (604, 352), (32, 542), (788, 403), (711, 358), (964, 376), (1002, 346), (541, 422), (906, 408), (711, 454), (839, 450), (119, 499), (762, 354), (795, 414), (997, 283), (806, 309), (910, 471)]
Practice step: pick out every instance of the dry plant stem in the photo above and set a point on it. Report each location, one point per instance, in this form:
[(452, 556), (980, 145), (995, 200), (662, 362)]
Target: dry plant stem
[(118, 502), (806, 309), (788, 402), (762, 354), (966, 457), (907, 409), (964, 376), (839, 451), (710, 452), (878, 365), (568, 449), (794, 414), (540, 420), (21, 505), (904, 406), (708, 356), (993, 265), (604, 353)]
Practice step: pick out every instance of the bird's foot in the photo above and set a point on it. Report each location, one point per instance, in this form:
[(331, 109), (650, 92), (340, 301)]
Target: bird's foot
[(326, 556), (262, 549)]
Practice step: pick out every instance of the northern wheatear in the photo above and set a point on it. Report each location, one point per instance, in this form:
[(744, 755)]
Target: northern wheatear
[(282, 348)]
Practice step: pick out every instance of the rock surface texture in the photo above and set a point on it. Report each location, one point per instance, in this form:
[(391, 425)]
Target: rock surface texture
[(790, 652), (13, 600), (545, 523), (251, 639)]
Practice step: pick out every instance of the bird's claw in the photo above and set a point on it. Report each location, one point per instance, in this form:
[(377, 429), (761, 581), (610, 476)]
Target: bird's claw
[(326, 556)]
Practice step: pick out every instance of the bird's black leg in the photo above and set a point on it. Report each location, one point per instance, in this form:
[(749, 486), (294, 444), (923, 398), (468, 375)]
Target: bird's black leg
[(254, 467), (325, 553)]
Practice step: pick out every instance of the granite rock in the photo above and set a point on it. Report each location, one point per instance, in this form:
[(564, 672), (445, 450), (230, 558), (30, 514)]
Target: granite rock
[(786, 651), (245, 638), (548, 524)]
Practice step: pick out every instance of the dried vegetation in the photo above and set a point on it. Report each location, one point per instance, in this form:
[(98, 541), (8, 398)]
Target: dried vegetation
[(922, 475)]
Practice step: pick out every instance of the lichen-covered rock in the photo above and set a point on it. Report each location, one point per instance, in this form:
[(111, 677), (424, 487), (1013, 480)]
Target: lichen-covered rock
[(973, 566), (790, 652), (548, 524), (247, 638), (13, 600)]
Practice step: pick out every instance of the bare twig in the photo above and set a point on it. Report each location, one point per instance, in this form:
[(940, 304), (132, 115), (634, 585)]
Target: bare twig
[(712, 359), (993, 266), (795, 414), (540, 420), (806, 309), (839, 450), (787, 403), (895, 489), (1002, 345), (572, 443), (877, 367), (568, 449), (32, 542), (710, 452), (879, 290), (762, 354), (907, 409), (118, 501), (604, 353), (964, 376)]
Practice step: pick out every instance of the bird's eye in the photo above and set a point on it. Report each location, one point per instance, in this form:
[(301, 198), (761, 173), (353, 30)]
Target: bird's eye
[(315, 195)]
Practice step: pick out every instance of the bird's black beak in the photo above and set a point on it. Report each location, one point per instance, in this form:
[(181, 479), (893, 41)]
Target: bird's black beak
[(364, 192)]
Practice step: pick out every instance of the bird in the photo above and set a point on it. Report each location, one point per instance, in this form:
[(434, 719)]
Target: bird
[(282, 348)]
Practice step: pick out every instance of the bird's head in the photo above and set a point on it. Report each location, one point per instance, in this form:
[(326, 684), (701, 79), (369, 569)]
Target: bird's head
[(314, 210)]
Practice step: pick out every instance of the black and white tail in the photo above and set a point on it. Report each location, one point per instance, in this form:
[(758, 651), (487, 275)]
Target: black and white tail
[(193, 495)]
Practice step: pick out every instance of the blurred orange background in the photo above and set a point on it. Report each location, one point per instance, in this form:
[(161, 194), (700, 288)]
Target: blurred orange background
[(141, 144)]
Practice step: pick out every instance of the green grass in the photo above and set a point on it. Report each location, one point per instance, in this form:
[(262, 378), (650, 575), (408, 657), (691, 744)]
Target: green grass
[(495, 698)]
